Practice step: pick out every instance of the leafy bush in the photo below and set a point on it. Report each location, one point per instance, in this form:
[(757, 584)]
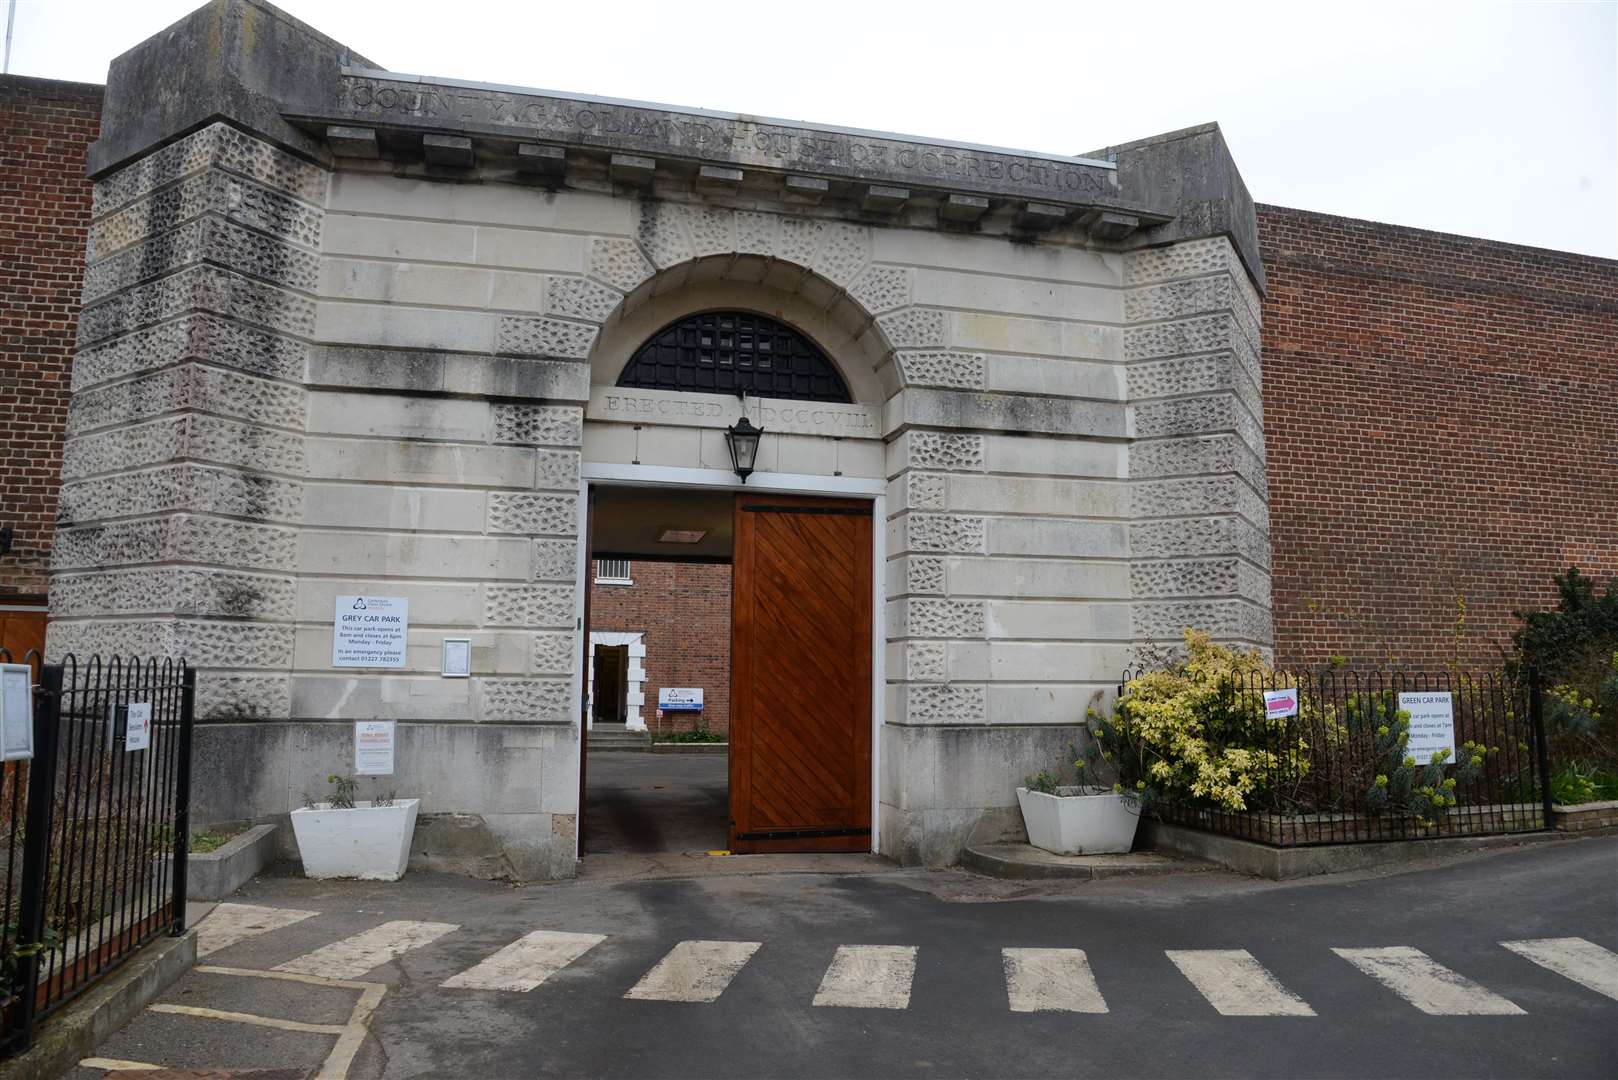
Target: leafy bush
[(1197, 730), (1582, 782), (1575, 650)]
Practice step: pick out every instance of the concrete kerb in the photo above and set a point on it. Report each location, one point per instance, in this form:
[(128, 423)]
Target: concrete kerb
[(214, 875), (690, 748), (1024, 862), (73, 1034), (1280, 864)]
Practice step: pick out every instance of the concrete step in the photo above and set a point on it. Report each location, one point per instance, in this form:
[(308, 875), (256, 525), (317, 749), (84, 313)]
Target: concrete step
[(1026, 862)]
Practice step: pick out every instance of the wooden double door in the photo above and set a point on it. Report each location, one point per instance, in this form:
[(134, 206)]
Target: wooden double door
[(800, 728)]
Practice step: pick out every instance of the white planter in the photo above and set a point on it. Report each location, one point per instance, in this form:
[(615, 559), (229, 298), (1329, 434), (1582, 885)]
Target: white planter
[(367, 842), (1079, 823)]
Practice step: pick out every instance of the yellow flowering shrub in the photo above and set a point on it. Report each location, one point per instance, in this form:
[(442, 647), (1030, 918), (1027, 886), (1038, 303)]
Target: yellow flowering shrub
[(1198, 731)]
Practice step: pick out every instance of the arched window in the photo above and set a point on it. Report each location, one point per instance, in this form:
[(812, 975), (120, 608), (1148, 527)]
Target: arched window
[(723, 352)]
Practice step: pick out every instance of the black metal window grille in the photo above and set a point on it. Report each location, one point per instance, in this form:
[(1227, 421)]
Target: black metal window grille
[(724, 352)]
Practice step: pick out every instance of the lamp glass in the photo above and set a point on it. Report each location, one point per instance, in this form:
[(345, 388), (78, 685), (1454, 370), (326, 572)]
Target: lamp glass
[(742, 438)]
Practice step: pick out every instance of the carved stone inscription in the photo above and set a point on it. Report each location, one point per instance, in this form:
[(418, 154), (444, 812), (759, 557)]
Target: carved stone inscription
[(735, 140), (719, 411)]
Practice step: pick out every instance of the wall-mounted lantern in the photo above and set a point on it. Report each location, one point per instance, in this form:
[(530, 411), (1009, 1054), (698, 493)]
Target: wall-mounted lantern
[(742, 438)]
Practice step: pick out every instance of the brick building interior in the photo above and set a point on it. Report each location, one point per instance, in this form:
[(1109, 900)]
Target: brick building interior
[(1440, 413)]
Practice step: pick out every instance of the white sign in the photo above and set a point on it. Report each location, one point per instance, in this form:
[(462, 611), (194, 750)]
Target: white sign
[(457, 658), (680, 699), (1280, 703), (369, 631), (16, 712), (1432, 724), (138, 725), (373, 747)]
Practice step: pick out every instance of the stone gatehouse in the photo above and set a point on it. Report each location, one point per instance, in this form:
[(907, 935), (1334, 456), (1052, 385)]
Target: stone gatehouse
[(349, 332)]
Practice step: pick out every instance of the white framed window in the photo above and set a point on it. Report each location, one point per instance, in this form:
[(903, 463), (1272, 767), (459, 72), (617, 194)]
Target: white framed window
[(613, 572)]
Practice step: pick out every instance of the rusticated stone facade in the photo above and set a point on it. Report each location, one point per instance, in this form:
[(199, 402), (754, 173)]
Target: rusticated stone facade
[(322, 355)]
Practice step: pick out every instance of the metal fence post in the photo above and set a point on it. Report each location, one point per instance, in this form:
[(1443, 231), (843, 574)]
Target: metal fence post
[(37, 843), (1536, 718), (182, 797)]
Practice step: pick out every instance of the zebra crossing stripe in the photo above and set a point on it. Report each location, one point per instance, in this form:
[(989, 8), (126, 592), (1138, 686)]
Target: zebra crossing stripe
[(694, 971), (869, 977), (1236, 984), (1585, 962), (1051, 980), (526, 962), (354, 956), (227, 924), (1427, 984)]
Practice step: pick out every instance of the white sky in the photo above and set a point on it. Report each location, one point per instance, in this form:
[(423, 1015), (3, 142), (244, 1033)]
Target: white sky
[(1497, 120)]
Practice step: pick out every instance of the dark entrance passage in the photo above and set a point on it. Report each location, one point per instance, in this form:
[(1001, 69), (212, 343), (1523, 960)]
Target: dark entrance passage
[(651, 803), (800, 773)]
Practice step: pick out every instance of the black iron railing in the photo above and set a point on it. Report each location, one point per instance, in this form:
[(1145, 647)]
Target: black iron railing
[(1336, 771), (96, 829)]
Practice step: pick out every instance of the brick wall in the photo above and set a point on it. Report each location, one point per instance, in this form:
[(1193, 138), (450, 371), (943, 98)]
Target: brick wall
[(1441, 422), (45, 127), (684, 611)]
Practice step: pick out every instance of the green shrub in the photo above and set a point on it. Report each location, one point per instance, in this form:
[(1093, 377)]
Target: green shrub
[(1574, 648)]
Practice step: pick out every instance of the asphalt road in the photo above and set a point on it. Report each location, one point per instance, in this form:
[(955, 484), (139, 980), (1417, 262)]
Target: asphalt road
[(955, 1018)]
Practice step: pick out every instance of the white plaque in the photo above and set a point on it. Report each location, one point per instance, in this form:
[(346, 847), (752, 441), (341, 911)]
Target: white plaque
[(373, 747), (1280, 703), (680, 699), (457, 658), (16, 712), (138, 725), (370, 631), (1432, 723)]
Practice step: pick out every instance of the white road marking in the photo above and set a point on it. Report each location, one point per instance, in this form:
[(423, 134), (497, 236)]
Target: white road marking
[(118, 1065), (1427, 984), (247, 1018), (354, 956), (694, 971), (1236, 984), (227, 924), (1051, 980), (1585, 962), (869, 977), (526, 962)]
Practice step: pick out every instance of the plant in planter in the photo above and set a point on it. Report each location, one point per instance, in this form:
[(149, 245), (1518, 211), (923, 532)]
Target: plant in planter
[(345, 838), (1086, 817)]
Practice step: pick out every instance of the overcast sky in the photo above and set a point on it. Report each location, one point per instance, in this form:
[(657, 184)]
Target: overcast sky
[(1497, 120)]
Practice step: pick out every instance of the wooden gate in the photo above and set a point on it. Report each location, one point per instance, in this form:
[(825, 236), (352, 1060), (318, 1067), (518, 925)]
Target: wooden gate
[(800, 728)]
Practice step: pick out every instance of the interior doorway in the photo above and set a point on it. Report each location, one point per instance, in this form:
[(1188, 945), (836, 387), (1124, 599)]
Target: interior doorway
[(658, 623), (755, 610)]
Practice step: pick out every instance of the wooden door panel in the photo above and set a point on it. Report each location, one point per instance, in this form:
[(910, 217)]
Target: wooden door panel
[(801, 675)]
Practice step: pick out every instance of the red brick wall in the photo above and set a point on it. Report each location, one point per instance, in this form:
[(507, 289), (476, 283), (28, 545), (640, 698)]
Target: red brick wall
[(684, 611), (1441, 421), (45, 127)]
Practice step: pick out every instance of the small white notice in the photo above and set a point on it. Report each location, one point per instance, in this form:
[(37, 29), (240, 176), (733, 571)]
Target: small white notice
[(1280, 703), (1432, 723), (16, 713), (370, 631), (680, 699), (457, 658), (373, 747), (138, 725)]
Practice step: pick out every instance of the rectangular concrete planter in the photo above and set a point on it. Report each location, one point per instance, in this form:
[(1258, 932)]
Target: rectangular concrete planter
[(1076, 822), (367, 842), (214, 875)]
